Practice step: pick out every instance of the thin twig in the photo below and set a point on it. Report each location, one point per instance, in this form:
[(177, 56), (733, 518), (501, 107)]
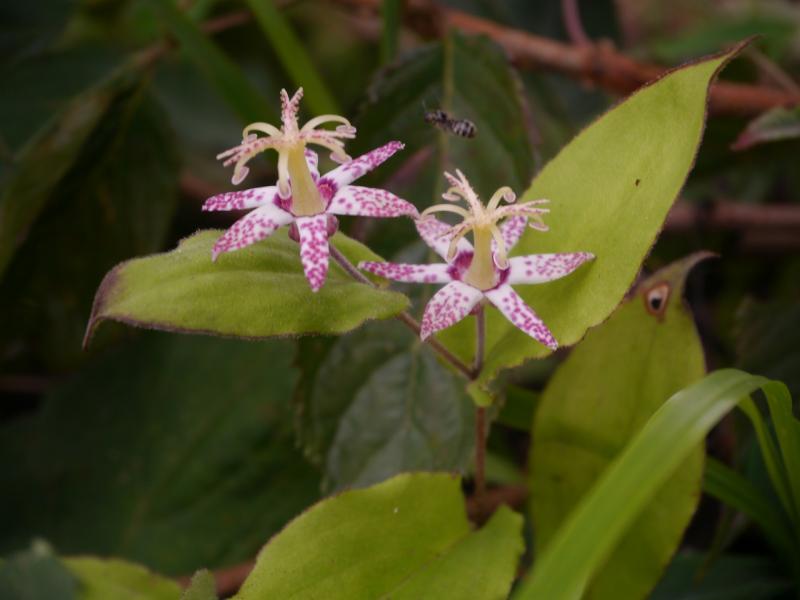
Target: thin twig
[(404, 317), (479, 511), (151, 54), (573, 24), (599, 64)]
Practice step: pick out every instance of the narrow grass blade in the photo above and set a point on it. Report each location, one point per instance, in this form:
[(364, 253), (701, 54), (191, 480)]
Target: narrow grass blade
[(391, 13), (626, 487), (221, 72), (787, 430), (729, 487), (294, 57), (773, 460)]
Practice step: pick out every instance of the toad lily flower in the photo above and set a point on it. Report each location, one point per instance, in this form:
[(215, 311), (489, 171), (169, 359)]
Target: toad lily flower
[(302, 198), (483, 271)]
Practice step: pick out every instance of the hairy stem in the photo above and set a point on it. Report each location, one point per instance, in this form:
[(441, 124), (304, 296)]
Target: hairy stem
[(404, 317)]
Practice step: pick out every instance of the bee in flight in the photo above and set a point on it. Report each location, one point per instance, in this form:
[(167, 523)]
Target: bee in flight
[(460, 127)]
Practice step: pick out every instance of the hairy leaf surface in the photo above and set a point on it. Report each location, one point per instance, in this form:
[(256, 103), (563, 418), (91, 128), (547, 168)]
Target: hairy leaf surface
[(257, 292)]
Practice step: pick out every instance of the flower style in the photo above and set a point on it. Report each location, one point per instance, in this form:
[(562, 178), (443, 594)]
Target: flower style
[(483, 271), (302, 198)]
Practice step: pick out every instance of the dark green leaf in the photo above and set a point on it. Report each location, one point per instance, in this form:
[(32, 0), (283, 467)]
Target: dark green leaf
[(38, 91), (595, 403), (728, 578), (380, 403), (257, 292), (471, 79), (46, 158), (101, 212), (28, 28), (176, 452), (406, 538), (518, 407), (768, 341)]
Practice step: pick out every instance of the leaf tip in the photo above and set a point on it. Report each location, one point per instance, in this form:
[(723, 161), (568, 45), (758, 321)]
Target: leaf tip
[(100, 301)]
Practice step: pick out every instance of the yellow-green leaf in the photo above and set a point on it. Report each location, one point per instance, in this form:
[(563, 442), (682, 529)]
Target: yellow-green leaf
[(610, 190), (405, 538), (256, 292)]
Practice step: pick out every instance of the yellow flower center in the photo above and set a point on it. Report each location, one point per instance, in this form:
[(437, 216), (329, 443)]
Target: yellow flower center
[(306, 199), (290, 141), (482, 222)]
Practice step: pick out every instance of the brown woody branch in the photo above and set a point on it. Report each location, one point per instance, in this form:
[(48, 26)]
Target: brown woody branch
[(598, 64)]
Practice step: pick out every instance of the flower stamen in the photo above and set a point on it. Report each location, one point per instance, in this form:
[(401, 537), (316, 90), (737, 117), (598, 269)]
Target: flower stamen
[(482, 222), (290, 142)]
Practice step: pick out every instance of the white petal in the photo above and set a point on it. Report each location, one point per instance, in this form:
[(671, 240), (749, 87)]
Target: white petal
[(369, 202), (435, 273), (539, 268), (314, 250), (252, 228), (521, 315), (352, 170), (241, 199), (448, 306)]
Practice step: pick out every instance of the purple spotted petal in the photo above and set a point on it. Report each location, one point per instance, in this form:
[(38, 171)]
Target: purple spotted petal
[(369, 202), (241, 199), (448, 306), (352, 170), (436, 273), (521, 315), (539, 268), (252, 228), (432, 231), (313, 232), (511, 230)]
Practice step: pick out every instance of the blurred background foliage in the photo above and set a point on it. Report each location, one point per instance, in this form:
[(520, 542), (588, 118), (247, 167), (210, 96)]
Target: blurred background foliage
[(188, 452)]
